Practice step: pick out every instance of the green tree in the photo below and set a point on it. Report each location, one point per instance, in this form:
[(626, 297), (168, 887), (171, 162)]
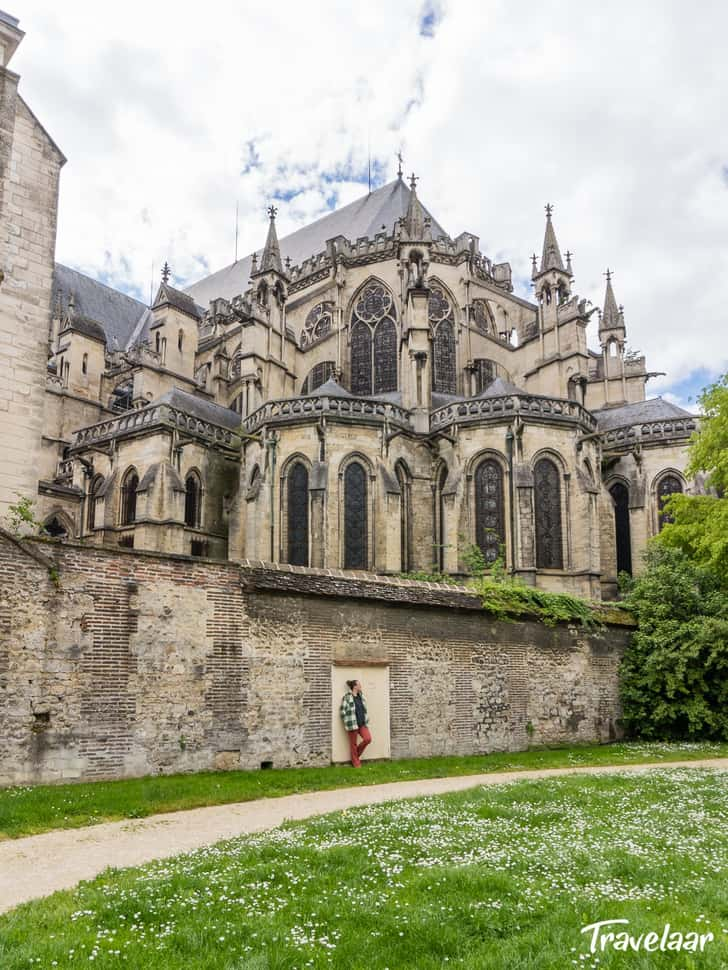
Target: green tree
[(674, 674), (699, 524)]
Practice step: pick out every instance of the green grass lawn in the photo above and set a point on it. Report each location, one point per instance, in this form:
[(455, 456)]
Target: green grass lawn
[(28, 810), (495, 877)]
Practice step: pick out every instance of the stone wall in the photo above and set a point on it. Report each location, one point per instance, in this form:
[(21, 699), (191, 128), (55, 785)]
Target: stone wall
[(116, 663), (30, 165)]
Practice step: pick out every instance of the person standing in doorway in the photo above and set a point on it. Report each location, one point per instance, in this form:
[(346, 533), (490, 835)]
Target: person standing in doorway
[(353, 712)]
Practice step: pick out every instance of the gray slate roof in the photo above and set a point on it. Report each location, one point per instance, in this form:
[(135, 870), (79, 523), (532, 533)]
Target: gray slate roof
[(364, 217), (88, 327), (116, 312), (178, 299), (330, 388), (656, 409), (500, 388), (198, 407)]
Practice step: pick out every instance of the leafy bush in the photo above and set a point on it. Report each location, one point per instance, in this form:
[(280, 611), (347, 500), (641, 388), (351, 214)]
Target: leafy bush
[(20, 518), (674, 675), (510, 599)]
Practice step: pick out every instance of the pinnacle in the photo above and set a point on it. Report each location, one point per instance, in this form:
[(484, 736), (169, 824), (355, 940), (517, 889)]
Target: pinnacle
[(611, 316), (551, 256), (271, 258)]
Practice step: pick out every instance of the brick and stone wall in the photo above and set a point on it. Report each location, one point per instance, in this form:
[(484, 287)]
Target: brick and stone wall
[(116, 663)]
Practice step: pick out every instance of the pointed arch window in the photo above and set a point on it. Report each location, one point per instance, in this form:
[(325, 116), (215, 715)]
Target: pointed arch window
[(56, 528), (442, 324), (193, 500), (489, 509), (547, 502), (620, 497), (318, 375), (93, 492), (440, 537), (317, 325), (374, 342), (297, 521), (404, 480), (481, 316), (356, 520), (667, 486), (129, 486), (484, 373)]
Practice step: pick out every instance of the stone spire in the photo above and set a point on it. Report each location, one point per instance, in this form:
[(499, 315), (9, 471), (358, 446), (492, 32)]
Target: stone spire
[(611, 319), (271, 258), (416, 223), (551, 256)]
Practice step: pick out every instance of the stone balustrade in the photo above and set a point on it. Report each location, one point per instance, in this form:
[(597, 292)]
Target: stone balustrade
[(291, 410), (148, 417), (644, 432), (510, 405)]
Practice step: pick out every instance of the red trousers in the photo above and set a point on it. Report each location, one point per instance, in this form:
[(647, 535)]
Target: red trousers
[(356, 749)]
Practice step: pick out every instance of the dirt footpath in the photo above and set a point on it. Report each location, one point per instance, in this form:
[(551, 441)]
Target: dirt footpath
[(41, 864)]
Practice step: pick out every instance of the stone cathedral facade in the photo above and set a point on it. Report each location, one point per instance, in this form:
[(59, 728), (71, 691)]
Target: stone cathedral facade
[(368, 393)]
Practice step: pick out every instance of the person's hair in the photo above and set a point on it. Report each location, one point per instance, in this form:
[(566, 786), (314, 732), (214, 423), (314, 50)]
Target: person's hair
[(350, 684)]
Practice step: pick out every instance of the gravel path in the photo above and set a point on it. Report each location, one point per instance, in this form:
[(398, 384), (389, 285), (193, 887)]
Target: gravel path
[(39, 865)]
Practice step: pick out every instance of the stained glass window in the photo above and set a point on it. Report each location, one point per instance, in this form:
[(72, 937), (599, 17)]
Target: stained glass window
[(669, 485), (298, 515), (318, 324), (361, 359), (442, 324), (489, 511), (374, 342), (318, 375), (620, 494), (484, 374), (385, 357), (355, 517), (547, 500)]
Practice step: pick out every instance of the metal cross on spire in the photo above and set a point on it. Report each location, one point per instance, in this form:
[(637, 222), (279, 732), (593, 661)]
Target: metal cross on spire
[(608, 274), (166, 272), (413, 181), (399, 167), (272, 211), (549, 210)]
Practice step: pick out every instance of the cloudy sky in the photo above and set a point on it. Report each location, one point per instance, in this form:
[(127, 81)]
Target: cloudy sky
[(614, 113)]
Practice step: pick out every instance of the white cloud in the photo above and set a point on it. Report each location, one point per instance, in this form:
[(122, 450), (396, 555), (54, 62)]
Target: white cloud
[(612, 113)]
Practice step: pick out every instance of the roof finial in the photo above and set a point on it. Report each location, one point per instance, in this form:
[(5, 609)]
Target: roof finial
[(166, 272), (533, 265), (413, 181), (272, 212), (549, 210), (399, 167), (608, 274), (568, 263)]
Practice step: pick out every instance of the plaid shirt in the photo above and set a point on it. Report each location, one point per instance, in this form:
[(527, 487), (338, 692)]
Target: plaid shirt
[(348, 711)]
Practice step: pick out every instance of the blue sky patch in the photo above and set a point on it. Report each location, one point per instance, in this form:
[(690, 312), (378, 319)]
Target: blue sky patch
[(430, 17)]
